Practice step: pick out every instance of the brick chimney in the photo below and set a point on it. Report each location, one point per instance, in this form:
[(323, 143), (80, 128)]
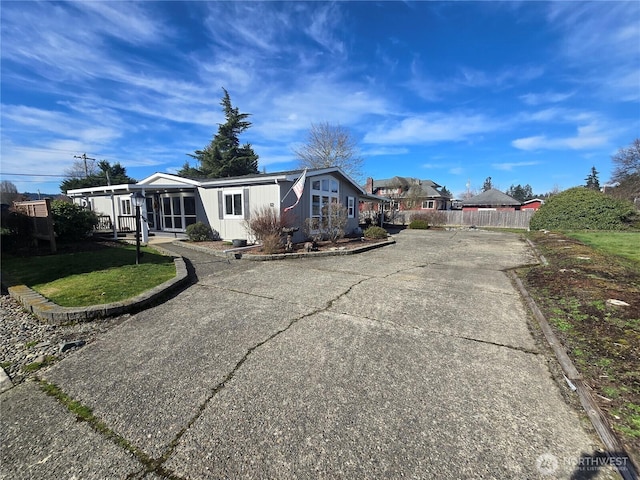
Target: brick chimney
[(369, 186)]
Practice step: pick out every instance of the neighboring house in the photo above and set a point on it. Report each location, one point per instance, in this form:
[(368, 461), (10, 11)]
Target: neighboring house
[(491, 199), (533, 204), (406, 193), (173, 202)]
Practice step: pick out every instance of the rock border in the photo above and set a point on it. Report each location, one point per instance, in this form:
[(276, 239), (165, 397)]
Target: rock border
[(45, 309), (237, 253)]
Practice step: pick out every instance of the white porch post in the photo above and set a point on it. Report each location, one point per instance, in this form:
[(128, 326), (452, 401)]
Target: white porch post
[(114, 224), (145, 223)]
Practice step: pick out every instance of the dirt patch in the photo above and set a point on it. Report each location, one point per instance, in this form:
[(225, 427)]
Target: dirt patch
[(601, 337), (342, 244)]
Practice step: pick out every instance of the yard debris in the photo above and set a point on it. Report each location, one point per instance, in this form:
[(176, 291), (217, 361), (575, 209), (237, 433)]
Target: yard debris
[(64, 346), (617, 303)]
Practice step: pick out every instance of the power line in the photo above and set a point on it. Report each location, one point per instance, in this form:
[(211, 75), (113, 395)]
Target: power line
[(85, 158), (33, 175)]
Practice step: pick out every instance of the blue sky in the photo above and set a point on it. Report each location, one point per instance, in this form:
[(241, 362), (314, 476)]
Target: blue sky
[(526, 93)]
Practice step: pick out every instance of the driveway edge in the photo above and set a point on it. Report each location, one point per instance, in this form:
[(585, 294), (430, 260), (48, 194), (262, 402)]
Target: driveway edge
[(281, 256), (619, 458), (46, 310)]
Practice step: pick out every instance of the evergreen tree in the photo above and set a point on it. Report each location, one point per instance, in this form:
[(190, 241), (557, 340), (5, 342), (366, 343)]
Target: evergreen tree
[(592, 180), (445, 192), (520, 193), (487, 185), (224, 156)]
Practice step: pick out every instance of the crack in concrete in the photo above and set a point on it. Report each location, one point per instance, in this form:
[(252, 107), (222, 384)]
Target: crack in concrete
[(174, 443), (156, 466)]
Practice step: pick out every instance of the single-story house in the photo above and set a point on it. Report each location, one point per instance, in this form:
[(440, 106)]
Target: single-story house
[(406, 193), (533, 204), (173, 202), (491, 199)]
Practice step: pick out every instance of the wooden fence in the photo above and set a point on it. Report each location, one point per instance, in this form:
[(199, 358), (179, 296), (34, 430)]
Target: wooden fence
[(39, 211), (485, 218)]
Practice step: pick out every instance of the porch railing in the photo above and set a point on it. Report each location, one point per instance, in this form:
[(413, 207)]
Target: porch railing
[(125, 224)]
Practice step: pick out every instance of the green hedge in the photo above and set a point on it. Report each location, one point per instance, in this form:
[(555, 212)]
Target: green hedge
[(375, 232), (72, 222), (200, 232), (419, 225), (581, 208)]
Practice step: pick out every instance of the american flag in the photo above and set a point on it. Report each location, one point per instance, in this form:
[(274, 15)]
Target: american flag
[(298, 188)]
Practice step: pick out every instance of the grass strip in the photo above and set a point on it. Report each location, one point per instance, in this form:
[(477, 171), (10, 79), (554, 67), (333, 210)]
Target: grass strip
[(625, 244), (88, 278)]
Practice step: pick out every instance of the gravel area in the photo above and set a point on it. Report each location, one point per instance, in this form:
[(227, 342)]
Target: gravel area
[(26, 341)]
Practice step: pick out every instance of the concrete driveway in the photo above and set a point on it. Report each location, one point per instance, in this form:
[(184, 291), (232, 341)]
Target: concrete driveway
[(411, 361)]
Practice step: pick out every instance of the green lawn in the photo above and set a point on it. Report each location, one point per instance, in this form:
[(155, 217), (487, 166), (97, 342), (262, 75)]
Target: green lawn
[(91, 278), (625, 244)]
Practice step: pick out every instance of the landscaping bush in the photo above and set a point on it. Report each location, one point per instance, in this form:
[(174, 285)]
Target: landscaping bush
[(435, 218), (200, 232), (419, 225), (330, 226), (583, 209), (72, 222), (266, 222), (271, 243), (375, 232)]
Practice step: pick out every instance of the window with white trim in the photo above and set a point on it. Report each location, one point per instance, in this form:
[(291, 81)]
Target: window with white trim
[(233, 204), (125, 206), (351, 207), (428, 204), (323, 191)]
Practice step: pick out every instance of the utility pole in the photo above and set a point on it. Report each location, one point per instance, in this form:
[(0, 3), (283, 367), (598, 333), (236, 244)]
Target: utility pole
[(85, 158)]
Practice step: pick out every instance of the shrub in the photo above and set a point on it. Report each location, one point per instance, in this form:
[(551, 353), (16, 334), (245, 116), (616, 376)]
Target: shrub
[(419, 225), (375, 232), (581, 208), (435, 218), (72, 222), (271, 243), (266, 222), (200, 232), (330, 226)]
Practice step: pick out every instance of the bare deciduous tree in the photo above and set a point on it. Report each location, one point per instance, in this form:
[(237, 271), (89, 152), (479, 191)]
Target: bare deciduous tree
[(330, 146), (82, 168), (626, 161)]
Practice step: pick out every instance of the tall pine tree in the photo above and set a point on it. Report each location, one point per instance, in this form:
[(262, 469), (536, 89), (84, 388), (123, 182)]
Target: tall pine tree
[(592, 181), (224, 156)]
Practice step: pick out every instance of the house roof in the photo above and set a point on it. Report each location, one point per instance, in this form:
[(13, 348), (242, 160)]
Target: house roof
[(491, 197), (533, 200), (411, 186), (402, 181), (175, 182)]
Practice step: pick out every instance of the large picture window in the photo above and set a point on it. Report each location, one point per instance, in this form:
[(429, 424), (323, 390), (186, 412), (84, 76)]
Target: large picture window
[(323, 191)]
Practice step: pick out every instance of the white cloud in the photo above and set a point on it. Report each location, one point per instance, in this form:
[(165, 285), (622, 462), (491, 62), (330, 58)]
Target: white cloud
[(535, 99), (509, 166), (588, 136), (433, 127)]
